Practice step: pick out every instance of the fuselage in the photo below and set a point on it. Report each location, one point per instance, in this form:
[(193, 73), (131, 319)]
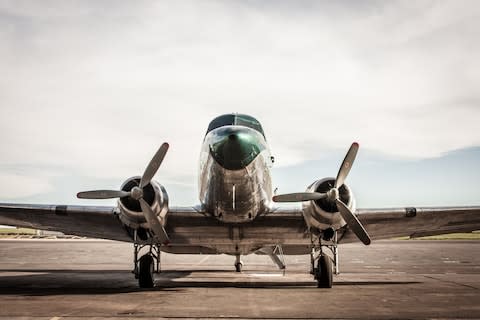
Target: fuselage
[(234, 177)]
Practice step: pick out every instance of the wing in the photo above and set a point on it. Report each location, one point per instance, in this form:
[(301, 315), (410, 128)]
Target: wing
[(415, 222), (84, 221), (93, 221), (198, 232), (190, 229)]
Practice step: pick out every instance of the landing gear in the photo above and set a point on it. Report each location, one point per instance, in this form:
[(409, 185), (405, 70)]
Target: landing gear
[(238, 263), (323, 273), (145, 268), (276, 254), (145, 275), (321, 263)]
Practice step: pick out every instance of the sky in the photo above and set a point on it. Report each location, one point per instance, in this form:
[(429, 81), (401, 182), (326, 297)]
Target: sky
[(90, 89)]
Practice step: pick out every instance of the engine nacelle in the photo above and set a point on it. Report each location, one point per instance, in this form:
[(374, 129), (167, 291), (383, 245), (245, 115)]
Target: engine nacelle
[(131, 212), (323, 213)]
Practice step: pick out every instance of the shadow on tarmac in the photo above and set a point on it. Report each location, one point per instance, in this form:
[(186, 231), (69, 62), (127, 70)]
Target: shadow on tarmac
[(46, 282)]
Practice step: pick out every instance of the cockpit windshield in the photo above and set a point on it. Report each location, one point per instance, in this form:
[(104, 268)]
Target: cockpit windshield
[(235, 119)]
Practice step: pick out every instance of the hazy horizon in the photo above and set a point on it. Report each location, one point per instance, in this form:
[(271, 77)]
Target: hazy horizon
[(91, 89)]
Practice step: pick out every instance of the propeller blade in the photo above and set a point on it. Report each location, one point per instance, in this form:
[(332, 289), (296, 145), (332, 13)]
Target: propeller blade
[(102, 194), (299, 197), (353, 222), (153, 222), (154, 165), (346, 165)]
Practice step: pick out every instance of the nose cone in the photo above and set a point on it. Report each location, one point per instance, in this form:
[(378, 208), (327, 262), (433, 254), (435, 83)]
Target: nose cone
[(236, 148)]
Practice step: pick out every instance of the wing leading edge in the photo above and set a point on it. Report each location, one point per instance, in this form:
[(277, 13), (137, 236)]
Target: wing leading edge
[(282, 226), (85, 221), (415, 222)]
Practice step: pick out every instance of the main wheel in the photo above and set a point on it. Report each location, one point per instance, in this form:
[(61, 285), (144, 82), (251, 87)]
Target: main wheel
[(238, 266), (145, 275), (324, 271)]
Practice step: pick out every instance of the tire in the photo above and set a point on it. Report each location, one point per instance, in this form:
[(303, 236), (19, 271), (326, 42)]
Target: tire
[(324, 272), (238, 267), (145, 276)]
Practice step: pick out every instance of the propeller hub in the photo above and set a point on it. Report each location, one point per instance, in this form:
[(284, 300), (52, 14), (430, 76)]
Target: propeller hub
[(137, 193), (333, 194)]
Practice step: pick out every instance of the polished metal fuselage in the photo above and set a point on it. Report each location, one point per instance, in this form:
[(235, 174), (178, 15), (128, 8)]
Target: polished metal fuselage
[(235, 196), (237, 212), (239, 216)]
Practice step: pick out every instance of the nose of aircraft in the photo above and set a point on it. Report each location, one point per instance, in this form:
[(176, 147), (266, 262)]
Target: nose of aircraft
[(236, 148)]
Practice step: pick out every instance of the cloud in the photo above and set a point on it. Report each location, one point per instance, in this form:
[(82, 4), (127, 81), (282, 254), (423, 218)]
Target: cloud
[(15, 186), (99, 86)]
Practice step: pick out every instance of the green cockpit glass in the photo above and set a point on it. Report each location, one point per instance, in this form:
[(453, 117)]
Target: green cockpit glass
[(235, 148), (236, 120)]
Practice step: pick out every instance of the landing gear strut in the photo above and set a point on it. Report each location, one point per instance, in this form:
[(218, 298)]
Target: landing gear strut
[(321, 263), (145, 268)]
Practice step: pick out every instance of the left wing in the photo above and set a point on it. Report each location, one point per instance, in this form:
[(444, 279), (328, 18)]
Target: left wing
[(287, 225), (327, 205), (415, 222)]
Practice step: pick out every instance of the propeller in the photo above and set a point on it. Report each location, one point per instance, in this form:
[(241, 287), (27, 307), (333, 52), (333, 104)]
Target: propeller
[(299, 197), (353, 222), (137, 194), (102, 194), (333, 196), (346, 165)]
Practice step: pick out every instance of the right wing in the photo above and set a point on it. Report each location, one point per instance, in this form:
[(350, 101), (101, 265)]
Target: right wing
[(190, 229), (84, 221), (99, 221)]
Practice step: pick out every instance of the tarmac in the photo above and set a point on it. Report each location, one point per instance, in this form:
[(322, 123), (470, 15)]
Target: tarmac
[(78, 279)]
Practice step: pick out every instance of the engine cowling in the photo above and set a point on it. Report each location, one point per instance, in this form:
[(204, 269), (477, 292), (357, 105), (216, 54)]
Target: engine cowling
[(323, 213), (131, 212)]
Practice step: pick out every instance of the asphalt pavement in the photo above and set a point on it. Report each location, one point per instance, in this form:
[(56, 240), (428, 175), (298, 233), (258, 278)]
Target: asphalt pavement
[(70, 279)]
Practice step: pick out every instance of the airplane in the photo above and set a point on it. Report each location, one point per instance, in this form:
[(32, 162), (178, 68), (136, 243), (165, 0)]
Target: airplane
[(237, 213)]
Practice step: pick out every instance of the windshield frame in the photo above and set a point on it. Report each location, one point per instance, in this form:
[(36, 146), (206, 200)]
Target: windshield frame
[(234, 119)]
